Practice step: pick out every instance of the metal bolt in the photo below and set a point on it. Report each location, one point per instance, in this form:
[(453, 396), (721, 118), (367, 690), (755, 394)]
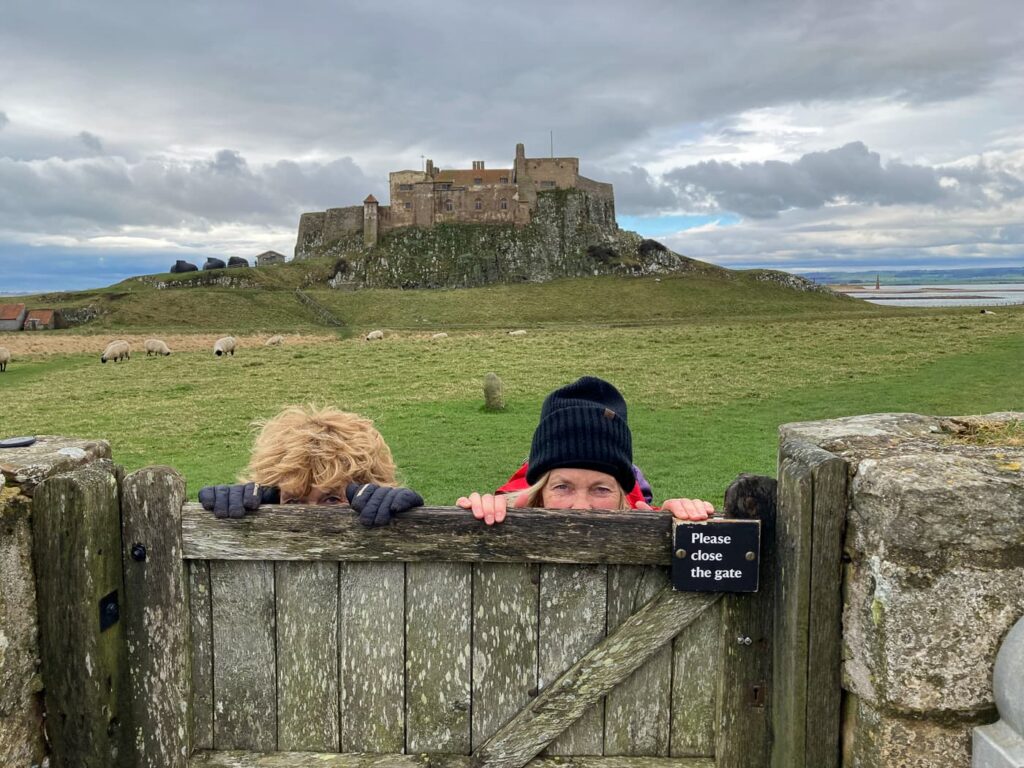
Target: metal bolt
[(681, 553), (138, 552), (751, 556), (743, 640)]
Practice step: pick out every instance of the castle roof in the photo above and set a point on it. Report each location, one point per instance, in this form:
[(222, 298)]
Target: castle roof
[(11, 311), (370, 199)]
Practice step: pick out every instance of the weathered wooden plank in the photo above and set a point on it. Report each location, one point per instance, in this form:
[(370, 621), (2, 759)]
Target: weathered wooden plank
[(244, 666), (614, 659), (824, 662), (306, 596), (573, 613), (438, 652), (695, 663), (438, 534), (371, 650), (156, 618), (744, 713), (313, 760), (76, 530), (504, 643), (637, 713), (795, 525), (201, 621)]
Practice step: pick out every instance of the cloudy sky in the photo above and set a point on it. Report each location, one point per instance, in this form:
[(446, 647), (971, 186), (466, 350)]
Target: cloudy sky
[(796, 135)]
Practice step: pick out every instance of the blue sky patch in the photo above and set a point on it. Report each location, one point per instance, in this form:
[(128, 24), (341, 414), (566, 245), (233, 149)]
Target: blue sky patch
[(660, 226)]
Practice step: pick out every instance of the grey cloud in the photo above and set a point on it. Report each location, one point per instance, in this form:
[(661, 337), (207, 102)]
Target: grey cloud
[(598, 76), (100, 194), (91, 142), (848, 174), (4, 120), (637, 192)]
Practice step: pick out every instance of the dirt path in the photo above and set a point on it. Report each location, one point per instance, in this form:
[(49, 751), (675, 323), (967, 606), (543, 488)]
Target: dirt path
[(44, 343)]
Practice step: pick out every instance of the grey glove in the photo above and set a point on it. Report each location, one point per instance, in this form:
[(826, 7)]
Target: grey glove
[(236, 500), (377, 504)]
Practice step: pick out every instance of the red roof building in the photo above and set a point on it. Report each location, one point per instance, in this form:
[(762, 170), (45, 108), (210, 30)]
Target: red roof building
[(12, 317), (40, 319)]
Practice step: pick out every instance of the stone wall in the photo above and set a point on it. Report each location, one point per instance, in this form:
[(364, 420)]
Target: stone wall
[(935, 579), (21, 469)]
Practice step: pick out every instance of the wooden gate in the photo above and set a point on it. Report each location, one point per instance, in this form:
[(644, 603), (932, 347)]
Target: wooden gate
[(296, 637)]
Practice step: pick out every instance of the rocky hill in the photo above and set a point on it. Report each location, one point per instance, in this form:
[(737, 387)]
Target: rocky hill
[(567, 237)]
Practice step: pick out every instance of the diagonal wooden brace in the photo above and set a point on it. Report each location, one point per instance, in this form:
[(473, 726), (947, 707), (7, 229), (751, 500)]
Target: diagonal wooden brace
[(606, 665)]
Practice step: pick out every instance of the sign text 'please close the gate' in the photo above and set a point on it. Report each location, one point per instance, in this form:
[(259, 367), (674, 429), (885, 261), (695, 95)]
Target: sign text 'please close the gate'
[(716, 555)]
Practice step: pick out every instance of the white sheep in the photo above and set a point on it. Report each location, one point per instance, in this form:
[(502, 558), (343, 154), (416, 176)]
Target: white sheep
[(116, 350), (441, 335), (224, 345), (157, 347), (375, 335), (5, 358), (517, 333), (274, 341)]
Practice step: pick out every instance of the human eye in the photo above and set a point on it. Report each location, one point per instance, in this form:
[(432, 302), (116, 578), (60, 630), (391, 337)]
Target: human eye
[(331, 500), (291, 501), (601, 490)]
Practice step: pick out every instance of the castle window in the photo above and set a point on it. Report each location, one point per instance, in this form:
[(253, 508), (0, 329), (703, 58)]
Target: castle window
[(478, 180), (504, 205), (547, 185), (446, 186), (405, 187), (448, 205), (408, 206), (503, 180), (478, 205)]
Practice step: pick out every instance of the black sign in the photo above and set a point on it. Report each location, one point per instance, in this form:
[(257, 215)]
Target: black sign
[(716, 555)]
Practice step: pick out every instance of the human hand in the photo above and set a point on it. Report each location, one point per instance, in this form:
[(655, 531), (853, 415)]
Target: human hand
[(685, 509), (236, 500), (489, 507), (377, 504)]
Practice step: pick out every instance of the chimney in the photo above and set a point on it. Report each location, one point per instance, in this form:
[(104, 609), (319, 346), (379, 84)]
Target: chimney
[(430, 168), (478, 165)]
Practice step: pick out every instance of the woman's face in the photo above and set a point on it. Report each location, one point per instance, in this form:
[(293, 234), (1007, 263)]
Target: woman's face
[(316, 496), (581, 489)]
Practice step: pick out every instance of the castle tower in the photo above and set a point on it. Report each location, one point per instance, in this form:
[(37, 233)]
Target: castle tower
[(370, 221)]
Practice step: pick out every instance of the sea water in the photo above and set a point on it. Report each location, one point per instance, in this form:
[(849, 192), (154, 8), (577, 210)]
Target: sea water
[(946, 295)]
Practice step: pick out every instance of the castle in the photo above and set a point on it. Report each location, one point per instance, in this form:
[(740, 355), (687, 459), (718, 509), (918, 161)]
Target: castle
[(477, 195)]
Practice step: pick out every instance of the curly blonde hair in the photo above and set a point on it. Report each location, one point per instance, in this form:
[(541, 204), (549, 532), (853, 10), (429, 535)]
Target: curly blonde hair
[(305, 447)]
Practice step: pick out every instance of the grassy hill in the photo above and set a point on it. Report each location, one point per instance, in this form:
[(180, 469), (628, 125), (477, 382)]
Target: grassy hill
[(247, 300)]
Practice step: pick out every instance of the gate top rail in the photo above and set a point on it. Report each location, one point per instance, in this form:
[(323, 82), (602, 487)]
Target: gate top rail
[(437, 534)]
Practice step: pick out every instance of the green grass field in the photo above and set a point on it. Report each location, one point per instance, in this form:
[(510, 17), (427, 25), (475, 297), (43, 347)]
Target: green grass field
[(709, 376)]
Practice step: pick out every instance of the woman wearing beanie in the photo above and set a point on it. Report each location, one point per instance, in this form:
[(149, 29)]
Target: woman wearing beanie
[(581, 457)]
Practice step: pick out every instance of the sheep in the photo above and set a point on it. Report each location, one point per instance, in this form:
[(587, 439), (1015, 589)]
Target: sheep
[(5, 358), (274, 341), (375, 335), (157, 347), (441, 335), (224, 345), (517, 333), (116, 350)]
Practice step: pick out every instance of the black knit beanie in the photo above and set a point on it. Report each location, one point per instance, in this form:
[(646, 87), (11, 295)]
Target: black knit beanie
[(583, 426)]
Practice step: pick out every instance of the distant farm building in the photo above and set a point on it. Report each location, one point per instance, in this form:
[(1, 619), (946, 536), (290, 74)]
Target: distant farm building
[(267, 258), (12, 317), (41, 319)]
